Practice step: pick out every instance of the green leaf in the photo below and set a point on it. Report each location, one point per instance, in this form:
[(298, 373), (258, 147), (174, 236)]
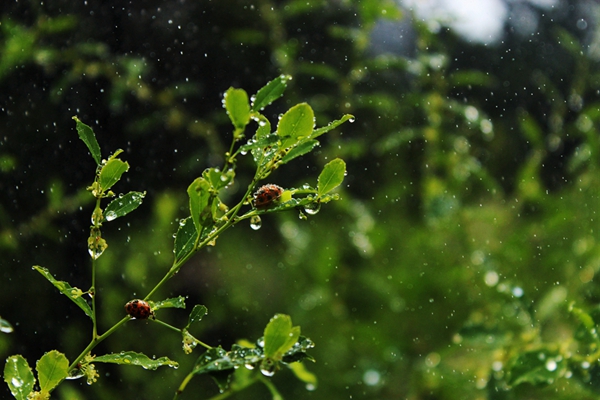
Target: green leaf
[(111, 173), (52, 368), (270, 92), (332, 125), (123, 205), (280, 336), (73, 293), (218, 179), (214, 359), (198, 312), (89, 138), (537, 367), (185, 238), (237, 107), (18, 376), (331, 176), (175, 302), (200, 196), (300, 150), (303, 374), (139, 359), (296, 124)]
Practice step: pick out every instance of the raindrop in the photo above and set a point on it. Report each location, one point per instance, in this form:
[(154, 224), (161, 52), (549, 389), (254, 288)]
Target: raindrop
[(75, 374), (371, 377), (17, 382), (5, 326), (255, 222), (110, 216), (551, 365), (267, 369), (302, 216), (312, 208), (351, 120)]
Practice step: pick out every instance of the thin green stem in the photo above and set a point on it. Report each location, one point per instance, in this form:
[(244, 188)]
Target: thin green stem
[(96, 341), (93, 288), (174, 328)]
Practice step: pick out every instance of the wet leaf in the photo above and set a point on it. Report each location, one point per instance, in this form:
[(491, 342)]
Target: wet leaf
[(52, 368), (111, 172), (303, 374), (185, 238), (238, 107), (536, 367), (199, 194), (175, 302), (18, 376), (296, 124), (280, 336), (217, 178), (138, 359), (331, 176), (198, 312), (300, 150), (332, 125), (89, 138), (270, 92), (73, 293), (123, 205)]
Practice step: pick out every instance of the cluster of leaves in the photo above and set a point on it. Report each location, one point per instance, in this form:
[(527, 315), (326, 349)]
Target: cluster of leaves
[(209, 217)]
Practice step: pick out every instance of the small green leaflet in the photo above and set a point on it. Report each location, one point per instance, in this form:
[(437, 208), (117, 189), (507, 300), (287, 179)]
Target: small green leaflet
[(270, 92), (198, 312), (296, 124), (52, 368), (175, 302), (139, 359), (185, 238), (18, 376), (200, 196), (111, 172), (74, 294), (123, 205), (280, 336), (332, 125), (331, 177), (237, 107), (89, 138)]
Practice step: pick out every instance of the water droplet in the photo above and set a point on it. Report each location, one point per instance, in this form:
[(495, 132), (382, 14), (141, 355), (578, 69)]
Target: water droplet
[(302, 216), (110, 216), (310, 387), (551, 365), (5, 326), (249, 366), (255, 222), (371, 377), (312, 208), (75, 374), (351, 120), (268, 367)]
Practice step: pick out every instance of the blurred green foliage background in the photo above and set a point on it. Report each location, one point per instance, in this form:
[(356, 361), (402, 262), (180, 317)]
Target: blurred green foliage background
[(460, 263)]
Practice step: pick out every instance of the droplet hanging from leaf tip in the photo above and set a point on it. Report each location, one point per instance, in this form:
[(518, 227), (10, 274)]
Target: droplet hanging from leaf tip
[(255, 222)]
